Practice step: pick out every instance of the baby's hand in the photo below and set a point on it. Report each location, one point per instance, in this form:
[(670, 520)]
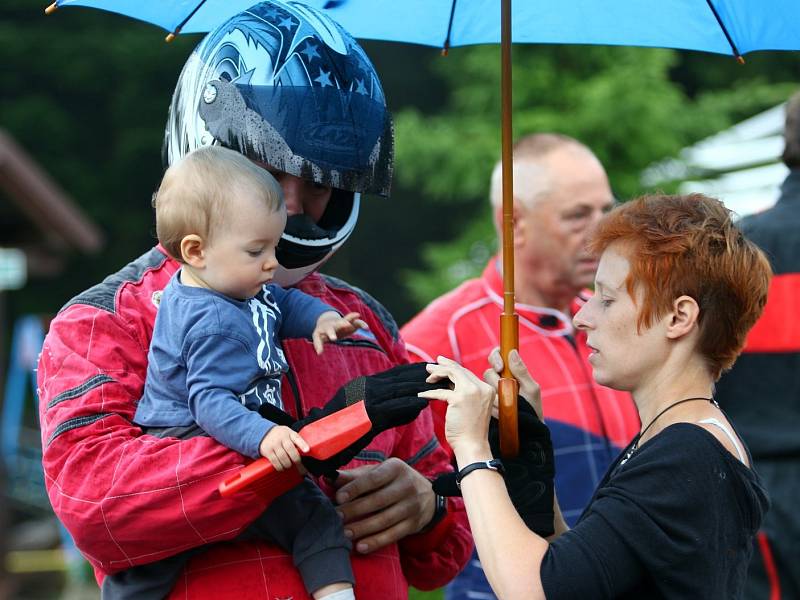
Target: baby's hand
[(280, 447), (330, 326)]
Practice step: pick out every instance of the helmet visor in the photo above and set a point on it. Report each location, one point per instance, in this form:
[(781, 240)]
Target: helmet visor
[(340, 138)]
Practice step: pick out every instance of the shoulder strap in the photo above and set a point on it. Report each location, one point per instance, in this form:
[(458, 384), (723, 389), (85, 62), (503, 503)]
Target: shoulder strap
[(726, 431)]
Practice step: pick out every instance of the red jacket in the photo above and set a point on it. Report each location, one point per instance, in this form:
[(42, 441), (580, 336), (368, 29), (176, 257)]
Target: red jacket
[(129, 498)]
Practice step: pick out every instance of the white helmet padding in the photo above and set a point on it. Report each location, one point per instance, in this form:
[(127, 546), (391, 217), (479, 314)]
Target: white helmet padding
[(305, 245)]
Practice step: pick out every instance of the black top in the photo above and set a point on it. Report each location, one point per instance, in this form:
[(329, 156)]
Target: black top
[(677, 520)]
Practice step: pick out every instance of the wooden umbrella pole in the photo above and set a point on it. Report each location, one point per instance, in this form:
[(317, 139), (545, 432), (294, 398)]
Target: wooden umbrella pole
[(509, 322)]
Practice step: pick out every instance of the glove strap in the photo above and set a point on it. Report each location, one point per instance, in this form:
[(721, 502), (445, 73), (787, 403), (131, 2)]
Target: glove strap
[(355, 391), (494, 464)]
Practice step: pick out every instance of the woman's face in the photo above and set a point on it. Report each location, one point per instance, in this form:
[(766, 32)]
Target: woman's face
[(621, 357)]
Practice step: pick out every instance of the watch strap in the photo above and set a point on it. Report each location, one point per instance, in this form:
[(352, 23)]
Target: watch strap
[(495, 464), (439, 512)]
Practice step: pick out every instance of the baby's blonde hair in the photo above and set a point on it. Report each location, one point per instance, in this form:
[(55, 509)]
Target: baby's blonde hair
[(194, 192)]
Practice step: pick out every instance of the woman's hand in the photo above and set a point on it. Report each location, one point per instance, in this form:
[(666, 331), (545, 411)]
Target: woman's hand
[(528, 388), (469, 407)]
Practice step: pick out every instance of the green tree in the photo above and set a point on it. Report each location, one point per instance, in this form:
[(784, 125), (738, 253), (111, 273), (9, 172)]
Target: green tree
[(86, 96), (625, 103)]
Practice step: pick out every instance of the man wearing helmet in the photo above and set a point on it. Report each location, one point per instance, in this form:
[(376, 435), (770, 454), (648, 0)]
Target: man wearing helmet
[(288, 88)]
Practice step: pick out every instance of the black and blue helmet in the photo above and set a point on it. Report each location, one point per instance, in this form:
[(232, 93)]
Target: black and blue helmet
[(285, 85)]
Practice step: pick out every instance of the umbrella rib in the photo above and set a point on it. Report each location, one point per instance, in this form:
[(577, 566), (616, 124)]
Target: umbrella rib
[(186, 20), (446, 45), (725, 31)]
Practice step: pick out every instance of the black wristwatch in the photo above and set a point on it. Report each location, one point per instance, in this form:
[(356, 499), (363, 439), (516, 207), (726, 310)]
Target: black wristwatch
[(494, 464), (439, 512)]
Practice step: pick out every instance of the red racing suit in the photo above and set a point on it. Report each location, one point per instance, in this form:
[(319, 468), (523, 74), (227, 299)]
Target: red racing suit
[(129, 498)]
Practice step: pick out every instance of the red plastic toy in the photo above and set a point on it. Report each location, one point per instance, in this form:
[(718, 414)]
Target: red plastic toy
[(325, 437)]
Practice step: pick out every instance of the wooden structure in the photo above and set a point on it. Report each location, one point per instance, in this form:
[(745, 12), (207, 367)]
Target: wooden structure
[(37, 217), (40, 227)]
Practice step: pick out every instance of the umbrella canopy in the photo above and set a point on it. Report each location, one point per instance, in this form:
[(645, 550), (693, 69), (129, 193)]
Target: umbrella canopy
[(722, 26)]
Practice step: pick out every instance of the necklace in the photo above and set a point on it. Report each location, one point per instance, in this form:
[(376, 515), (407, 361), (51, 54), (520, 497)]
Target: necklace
[(635, 444)]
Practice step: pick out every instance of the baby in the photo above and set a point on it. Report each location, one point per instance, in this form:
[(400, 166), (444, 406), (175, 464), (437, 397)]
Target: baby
[(215, 355)]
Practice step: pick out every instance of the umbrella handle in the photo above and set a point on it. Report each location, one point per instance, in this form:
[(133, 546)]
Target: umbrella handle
[(508, 388)]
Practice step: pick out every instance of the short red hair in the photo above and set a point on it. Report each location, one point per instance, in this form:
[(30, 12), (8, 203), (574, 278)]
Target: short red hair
[(689, 245)]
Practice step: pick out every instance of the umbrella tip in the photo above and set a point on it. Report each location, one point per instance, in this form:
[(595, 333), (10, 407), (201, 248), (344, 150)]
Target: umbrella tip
[(177, 30), (740, 59), (445, 51), (51, 9)]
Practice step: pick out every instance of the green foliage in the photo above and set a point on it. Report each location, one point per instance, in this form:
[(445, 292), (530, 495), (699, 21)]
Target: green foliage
[(87, 92), (418, 595), (577, 91), (624, 103), (453, 263), (86, 96)]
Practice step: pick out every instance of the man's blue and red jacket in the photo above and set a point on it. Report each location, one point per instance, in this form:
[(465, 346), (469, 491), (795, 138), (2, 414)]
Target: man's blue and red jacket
[(761, 394)]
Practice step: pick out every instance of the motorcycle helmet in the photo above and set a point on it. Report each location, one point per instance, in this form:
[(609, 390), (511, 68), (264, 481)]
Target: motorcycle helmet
[(286, 86)]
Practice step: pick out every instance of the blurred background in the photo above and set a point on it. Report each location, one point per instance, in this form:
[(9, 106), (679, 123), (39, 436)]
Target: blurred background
[(82, 111)]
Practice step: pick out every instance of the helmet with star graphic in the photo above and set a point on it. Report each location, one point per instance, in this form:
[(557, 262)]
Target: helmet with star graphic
[(286, 86)]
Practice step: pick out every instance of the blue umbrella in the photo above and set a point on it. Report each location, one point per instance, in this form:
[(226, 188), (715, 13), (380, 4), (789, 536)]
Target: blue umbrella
[(721, 26)]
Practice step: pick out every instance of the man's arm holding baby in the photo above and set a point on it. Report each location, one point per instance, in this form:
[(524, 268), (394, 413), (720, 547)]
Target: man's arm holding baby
[(99, 466)]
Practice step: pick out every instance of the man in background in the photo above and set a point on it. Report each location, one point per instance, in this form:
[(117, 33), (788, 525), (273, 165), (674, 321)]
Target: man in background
[(762, 391), (560, 192)]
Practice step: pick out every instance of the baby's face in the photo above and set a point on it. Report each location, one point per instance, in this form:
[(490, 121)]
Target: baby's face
[(241, 256)]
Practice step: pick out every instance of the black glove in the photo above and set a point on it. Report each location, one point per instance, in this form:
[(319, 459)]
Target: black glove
[(390, 398), (445, 484), (528, 476), (276, 415)]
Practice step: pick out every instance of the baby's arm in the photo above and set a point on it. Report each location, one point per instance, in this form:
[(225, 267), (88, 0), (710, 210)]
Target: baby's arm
[(216, 369), (280, 446), (331, 326), (306, 316)]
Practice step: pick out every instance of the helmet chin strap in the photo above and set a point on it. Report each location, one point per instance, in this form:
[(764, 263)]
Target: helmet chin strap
[(289, 277), (286, 277)]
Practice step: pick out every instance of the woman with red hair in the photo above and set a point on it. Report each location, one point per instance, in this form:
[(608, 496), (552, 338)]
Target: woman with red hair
[(677, 289)]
